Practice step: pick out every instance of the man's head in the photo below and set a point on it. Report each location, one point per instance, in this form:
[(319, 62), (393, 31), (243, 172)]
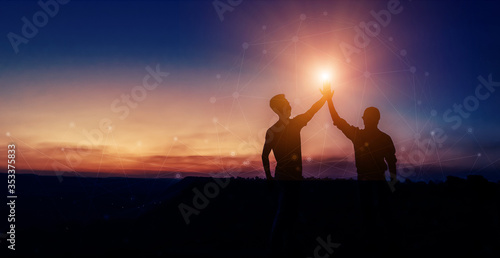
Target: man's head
[(280, 106), (371, 116)]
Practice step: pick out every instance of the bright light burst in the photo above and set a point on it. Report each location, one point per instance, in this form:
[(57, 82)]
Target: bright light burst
[(325, 76)]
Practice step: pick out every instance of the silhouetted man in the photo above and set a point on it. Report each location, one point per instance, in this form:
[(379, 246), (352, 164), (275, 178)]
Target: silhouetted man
[(374, 152), (283, 138)]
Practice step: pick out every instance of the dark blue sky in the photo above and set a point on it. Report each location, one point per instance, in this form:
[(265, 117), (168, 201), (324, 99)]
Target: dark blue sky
[(454, 38)]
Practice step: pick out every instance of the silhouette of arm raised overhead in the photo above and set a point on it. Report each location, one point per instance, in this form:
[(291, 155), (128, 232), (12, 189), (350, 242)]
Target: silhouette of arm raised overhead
[(348, 130), (308, 115), (265, 155)]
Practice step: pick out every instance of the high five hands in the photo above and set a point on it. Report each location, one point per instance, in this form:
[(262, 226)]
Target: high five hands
[(327, 90)]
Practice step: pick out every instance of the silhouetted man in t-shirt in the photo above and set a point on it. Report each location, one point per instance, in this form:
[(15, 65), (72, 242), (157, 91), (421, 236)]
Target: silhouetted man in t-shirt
[(374, 152), (283, 138)]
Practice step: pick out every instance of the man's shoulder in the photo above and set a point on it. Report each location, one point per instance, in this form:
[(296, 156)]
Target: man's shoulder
[(373, 134), (299, 120), (278, 126), (384, 136)]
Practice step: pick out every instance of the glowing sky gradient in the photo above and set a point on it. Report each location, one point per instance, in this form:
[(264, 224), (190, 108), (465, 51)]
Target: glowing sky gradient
[(209, 115)]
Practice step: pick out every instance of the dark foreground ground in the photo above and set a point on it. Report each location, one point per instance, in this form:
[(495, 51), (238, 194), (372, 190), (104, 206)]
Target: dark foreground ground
[(116, 217)]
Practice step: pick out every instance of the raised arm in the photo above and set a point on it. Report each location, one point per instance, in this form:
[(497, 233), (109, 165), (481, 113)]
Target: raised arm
[(265, 156), (348, 130), (316, 106), (333, 111), (307, 116), (328, 94)]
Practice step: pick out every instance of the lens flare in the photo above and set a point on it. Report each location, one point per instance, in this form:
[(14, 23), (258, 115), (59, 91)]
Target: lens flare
[(325, 76)]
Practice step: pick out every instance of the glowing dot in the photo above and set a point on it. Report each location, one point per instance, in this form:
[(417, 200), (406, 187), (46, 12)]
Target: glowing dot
[(213, 100), (215, 120), (177, 175), (348, 60), (294, 157), (479, 154), (403, 148), (176, 139), (264, 51), (303, 17), (433, 133), (469, 130), (325, 76), (413, 69), (233, 153), (426, 73), (309, 159), (391, 39), (245, 45), (110, 128), (236, 94), (139, 143), (419, 102), (325, 13), (246, 163), (264, 27), (62, 149), (8, 134), (367, 144), (402, 52), (295, 39), (327, 125), (218, 76), (71, 125), (434, 112), (367, 74)]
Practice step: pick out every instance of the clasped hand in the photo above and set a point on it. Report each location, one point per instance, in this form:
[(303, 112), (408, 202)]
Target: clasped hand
[(327, 90)]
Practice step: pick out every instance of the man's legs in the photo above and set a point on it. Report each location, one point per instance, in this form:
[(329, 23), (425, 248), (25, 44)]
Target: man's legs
[(367, 203), (286, 216)]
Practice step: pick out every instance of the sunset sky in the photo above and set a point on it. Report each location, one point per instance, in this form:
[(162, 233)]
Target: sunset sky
[(78, 95)]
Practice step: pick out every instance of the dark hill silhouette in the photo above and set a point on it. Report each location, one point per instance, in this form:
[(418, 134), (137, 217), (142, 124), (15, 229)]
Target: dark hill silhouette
[(140, 217)]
